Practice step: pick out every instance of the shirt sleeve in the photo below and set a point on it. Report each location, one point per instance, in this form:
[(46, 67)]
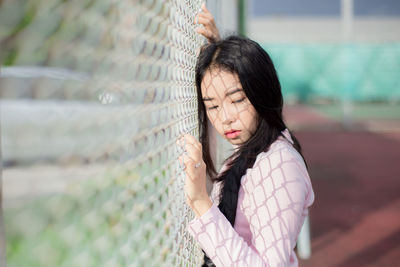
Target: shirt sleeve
[(277, 190)]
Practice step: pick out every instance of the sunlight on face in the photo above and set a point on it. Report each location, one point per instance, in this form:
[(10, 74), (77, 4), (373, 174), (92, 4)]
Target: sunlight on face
[(228, 108)]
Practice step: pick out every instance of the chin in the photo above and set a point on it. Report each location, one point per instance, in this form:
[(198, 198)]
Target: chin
[(235, 141)]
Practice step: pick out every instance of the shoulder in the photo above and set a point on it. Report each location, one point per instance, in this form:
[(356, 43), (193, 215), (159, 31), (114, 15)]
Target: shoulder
[(280, 152), (281, 164)]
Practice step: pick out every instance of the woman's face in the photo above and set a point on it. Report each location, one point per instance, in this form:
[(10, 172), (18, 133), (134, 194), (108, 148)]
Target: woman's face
[(228, 108)]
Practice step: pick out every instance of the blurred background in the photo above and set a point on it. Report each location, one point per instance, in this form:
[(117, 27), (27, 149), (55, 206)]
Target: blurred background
[(339, 65), (94, 95)]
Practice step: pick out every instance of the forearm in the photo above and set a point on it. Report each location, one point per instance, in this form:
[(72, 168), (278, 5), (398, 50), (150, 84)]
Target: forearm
[(221, 242)]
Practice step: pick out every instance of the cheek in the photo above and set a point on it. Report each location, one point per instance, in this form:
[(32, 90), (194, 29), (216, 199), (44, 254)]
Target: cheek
[(213, 118), (250, 119)]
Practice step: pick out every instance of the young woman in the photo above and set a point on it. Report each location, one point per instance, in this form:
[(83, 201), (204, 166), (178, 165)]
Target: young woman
[(261, 196)]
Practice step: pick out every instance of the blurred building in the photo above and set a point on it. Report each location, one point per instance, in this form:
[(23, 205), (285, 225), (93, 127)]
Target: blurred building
[(322, 21), (336, 51)]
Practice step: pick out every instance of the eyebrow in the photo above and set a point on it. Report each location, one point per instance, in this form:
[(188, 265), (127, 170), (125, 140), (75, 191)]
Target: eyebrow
[(227, 94), (234, 91)]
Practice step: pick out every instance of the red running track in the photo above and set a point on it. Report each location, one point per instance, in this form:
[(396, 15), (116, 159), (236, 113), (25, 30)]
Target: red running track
[(355, 219)]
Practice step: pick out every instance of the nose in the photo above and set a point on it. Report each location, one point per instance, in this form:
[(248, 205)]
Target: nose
[(227, 114)]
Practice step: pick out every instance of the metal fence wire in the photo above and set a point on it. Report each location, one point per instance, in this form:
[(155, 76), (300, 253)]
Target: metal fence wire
[(94, 95)]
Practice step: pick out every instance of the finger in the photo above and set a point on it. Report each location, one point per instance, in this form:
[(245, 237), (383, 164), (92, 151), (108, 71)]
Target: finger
[(192, 146), (193, 153), (184, 140), (191, 168), (181, 163), (204, 21), (188, 160), (206, 33), (192, 140), (180, 143), (206, 14), (207, 19)]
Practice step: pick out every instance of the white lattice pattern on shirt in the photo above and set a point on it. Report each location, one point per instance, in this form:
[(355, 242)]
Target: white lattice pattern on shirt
[(276, 193), (94, 96)]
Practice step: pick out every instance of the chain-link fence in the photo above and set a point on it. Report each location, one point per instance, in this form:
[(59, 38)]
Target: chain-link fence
[(94, 97)]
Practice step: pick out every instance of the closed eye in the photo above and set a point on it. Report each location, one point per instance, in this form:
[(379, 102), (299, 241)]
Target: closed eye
[(213, 107), (239, 100)]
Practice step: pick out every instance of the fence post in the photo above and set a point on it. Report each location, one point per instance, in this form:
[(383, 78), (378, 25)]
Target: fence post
[(242, 17), (304, 240), (2, 231)]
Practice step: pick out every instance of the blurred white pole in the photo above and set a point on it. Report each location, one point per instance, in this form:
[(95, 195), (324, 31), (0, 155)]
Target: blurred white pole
[(225, 13), (304, 240), (347, 16), (41, 71), (2, 230)]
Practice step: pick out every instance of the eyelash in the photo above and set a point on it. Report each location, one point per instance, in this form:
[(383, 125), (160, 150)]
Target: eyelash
[(235, 102)]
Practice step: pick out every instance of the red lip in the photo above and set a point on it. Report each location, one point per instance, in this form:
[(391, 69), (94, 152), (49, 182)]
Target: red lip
[(232, 133)]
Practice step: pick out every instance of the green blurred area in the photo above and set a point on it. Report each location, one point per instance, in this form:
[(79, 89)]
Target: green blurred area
[(360, 72), (361, 111), (89, 225), (55, 33)]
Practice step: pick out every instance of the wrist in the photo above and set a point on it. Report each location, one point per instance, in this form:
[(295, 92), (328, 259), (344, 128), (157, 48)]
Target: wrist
[(201, 206)]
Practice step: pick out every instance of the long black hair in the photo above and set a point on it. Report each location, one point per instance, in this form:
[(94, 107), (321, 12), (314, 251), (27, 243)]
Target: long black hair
[(257, 75)]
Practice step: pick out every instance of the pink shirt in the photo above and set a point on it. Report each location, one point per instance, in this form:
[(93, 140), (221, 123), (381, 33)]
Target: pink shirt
[(273, 202)]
